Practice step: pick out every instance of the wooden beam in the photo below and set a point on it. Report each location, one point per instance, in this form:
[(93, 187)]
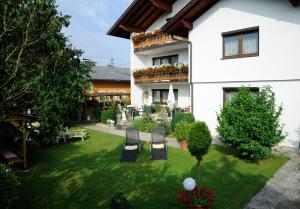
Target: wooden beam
[(131, 29), (167, 7), (187, 24), (295, 2)]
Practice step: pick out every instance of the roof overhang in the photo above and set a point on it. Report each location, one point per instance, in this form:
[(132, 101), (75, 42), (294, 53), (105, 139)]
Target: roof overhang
[(182, 22), (140, 15)]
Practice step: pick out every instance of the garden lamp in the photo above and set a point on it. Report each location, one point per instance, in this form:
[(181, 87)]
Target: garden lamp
[(189, 184)]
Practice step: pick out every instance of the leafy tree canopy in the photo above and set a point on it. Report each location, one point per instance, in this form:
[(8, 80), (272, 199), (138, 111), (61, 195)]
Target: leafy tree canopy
[(39, 69)]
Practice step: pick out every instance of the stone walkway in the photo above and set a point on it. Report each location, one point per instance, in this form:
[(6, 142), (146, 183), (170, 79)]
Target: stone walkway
[(283, 190), (143, 136)]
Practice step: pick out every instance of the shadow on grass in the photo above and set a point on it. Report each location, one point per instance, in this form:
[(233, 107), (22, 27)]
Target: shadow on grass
[(85, 175)]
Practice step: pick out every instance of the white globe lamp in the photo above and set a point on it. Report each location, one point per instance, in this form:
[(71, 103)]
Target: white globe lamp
[(189, 184)]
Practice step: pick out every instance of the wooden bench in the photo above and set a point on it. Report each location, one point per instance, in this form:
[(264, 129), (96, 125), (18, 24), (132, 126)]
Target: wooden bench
[(11, 157)]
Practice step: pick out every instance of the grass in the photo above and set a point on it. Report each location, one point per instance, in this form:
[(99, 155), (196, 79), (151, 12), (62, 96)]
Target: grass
[(85, 174)]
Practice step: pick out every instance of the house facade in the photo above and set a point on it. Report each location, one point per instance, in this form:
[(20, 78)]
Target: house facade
[(110, 83), (215, 47)]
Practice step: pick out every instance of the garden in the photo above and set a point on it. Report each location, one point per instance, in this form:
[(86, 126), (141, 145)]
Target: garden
[(40, 94), (87, 174)]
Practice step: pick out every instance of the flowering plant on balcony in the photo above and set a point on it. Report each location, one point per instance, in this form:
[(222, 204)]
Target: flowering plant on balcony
[(140, 37), (162, 70), (197, 198)]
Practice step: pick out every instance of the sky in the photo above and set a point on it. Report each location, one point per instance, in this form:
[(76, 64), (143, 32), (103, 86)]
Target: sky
[(90, 21)]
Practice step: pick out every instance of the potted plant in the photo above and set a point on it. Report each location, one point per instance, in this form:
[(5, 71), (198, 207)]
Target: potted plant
[(197, 198), (182, 130)]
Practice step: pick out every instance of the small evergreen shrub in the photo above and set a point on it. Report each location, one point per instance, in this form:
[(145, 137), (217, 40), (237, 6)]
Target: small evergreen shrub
[(182, 130), (144, 124), (8, 187), (109, 114), (251, 123), (181, 116), (119, 201), (199, 140)]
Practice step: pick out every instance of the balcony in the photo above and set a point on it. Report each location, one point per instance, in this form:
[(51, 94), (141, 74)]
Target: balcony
[(161, 74), (147, 43)]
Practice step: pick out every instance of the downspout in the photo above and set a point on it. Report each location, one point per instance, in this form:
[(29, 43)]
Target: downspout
[(177, 38)]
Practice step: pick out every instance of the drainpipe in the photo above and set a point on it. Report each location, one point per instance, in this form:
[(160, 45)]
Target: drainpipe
[(178, 38)]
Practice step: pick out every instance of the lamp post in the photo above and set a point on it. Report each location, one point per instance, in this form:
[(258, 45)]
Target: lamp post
[(189, 184)]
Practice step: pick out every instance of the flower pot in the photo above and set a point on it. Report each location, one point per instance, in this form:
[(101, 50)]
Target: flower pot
[(183, 144)]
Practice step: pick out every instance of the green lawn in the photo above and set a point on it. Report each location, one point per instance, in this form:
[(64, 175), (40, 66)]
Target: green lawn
[(84, 175)]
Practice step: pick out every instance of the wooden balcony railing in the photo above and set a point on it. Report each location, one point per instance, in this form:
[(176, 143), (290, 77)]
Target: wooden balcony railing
[(149, 39), (165, 73)]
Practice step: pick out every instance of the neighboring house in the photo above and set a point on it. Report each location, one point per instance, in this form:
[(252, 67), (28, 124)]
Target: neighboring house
[(226, 44), (110, 83)]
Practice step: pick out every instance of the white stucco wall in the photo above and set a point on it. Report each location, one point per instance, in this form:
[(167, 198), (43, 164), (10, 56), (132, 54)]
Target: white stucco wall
[(279, 40), (277, 64)]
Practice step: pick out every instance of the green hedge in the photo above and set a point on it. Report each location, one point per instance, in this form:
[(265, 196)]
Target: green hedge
[(181, 116), (144, 124), (251, 123), (109, 114), (8, 187)]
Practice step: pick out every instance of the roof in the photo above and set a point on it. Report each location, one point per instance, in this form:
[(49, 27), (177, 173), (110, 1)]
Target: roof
[(110, 74), (182, 22), (140, 15)]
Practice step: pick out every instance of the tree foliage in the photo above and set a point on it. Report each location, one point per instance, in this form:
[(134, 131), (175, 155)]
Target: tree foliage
[(251, 123), (39, 69)]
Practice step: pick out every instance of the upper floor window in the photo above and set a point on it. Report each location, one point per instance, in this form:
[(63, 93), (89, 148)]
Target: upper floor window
[(241, 43), (172, 60)]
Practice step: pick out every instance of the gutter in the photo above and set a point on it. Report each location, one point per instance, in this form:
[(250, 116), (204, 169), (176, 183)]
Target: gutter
[(185, 40)]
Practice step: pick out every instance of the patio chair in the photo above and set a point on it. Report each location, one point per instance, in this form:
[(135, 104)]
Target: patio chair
[(132, 145), (158, 146)]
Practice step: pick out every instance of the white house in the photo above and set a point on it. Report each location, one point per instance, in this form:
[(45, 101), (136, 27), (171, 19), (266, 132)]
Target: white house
[(222, 45)]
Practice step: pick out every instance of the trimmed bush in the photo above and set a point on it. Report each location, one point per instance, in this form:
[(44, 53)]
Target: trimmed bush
[(119, 201), (199, 140), (8, 187), (181, 116), (109, 114), (251, 123), (145, 124), (182, 130)]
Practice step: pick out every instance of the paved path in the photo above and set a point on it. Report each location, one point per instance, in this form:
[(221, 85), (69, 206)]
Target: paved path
[(143, 136), (283, 190)]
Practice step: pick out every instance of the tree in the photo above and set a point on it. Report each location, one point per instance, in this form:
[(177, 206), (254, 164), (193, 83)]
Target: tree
[(251, 123), (39, 69), (199, 141)]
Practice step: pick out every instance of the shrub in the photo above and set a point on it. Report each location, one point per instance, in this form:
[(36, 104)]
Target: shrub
[(181, 116), (199, 140), (118, 201), (145, 124), (8, 187), (251, 123), (109, 114), (182, 130)]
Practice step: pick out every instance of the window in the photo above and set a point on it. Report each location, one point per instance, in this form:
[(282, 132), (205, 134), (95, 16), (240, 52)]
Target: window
[(241, 43), (161, 95), (172, 60), (229, 93), (102, 97)]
